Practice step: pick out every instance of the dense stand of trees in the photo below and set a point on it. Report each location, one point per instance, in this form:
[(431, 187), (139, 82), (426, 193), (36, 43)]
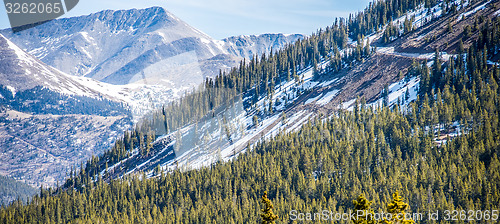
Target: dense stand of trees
[(397, 29)]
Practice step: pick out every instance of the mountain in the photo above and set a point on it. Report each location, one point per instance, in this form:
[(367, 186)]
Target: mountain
[(145, 58), (22, 73), (138, 46), (115, 45), (50, 120)]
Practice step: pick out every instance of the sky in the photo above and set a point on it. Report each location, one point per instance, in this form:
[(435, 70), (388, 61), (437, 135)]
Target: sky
[(225, 18)]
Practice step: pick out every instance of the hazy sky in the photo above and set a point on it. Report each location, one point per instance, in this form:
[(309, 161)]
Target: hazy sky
[(224, 18)]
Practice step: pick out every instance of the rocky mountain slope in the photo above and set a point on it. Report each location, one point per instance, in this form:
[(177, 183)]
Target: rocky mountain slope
[(50, 120)]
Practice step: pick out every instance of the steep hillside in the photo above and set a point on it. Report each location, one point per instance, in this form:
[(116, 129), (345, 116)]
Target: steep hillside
[(50, 121)]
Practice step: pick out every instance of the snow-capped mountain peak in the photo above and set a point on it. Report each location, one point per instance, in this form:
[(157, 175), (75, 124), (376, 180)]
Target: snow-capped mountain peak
[(130, 46), (100, 44)]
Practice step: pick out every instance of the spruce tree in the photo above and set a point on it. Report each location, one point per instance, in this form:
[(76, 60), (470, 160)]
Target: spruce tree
[(363, 213), (397, 208), (267, 215)]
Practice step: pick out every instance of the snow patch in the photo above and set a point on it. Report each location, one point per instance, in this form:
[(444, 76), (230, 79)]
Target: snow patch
[(405, 91), (310, 100), (496, 13), (327, 97), (493, 63), (329, 82), (466, 14), (348, 105), (12, 90)]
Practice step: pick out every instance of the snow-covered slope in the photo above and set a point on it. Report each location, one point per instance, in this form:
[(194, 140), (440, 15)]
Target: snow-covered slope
[(20, 71), (116, 46), (246, 46), (223, 135), (138, 46)]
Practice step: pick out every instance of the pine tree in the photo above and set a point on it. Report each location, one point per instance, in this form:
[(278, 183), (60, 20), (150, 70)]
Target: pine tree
[(363, 213), (385, 95), (165, 122), (268, 216), (255, 120), (397, 208)]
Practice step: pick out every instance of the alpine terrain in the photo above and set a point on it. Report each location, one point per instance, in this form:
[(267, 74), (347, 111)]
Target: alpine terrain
[(394, 109)]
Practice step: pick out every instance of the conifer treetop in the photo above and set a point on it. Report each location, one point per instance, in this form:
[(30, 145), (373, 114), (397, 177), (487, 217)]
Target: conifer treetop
[(268, 216)]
